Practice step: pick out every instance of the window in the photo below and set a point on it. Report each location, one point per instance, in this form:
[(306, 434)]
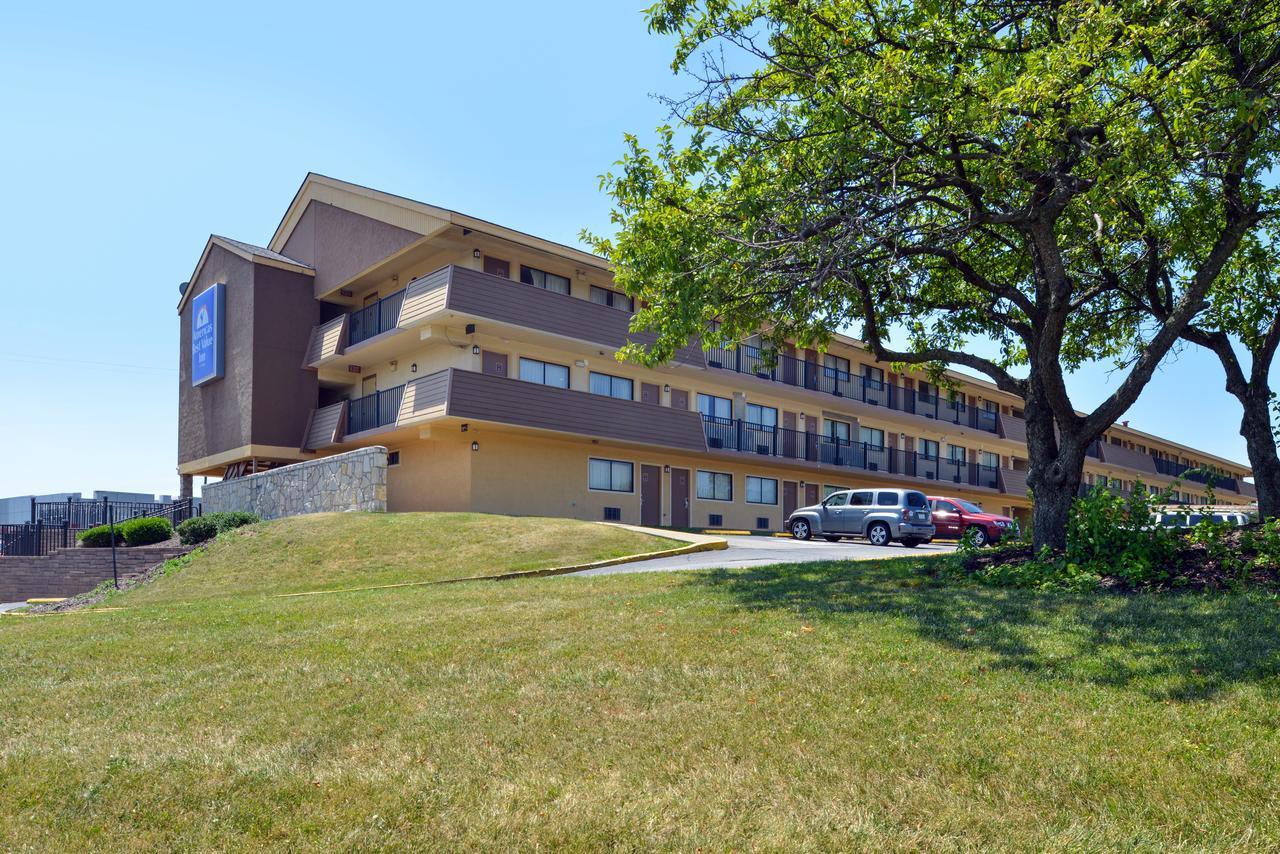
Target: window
[(834, 366), (927, 392), (762, 490), (837, 430), (929, 449), (838, 499), (887, 499), (874, 376), (609, 475), (862, 498), (543, 279), (762, 416), (989, 460), (715, 407), (393, 458), (990, 406), (956, 453), (871, 437), (613, 299), (715, 485), (828, 490), (611, 386), (917, 499), (544, 373)]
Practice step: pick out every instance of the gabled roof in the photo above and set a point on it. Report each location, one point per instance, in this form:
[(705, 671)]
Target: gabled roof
[(247, 251)]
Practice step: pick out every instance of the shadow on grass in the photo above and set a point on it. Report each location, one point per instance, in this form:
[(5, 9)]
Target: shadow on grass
[(1180, 647)]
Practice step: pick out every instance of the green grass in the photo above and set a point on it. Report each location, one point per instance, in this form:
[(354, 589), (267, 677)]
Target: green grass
[(813, 707)]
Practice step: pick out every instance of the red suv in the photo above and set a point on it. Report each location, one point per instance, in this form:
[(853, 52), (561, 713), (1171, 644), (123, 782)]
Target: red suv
[(954, 517)]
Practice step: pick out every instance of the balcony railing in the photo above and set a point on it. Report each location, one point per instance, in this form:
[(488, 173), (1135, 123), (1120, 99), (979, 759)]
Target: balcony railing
[(374, 410), (375, 318), (1186, 472), (745, 359), (735, 434)]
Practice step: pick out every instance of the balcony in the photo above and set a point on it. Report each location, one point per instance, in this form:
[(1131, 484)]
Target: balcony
[(380, 409), (745, 359), (781, 442), (1169, 468), (376, 318)]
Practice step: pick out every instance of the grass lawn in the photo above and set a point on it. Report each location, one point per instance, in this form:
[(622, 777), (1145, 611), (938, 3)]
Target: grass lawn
[(801, 707)]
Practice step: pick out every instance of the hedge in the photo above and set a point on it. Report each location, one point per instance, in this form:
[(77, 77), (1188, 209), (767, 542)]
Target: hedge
[(146, 531), (99, 537), (202, 528)]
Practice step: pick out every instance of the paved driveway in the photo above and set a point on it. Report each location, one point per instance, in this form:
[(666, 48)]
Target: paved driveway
[(760, 551)]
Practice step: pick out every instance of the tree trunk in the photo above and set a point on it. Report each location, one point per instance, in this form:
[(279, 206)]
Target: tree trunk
[(1056, 466), (1256, 429)]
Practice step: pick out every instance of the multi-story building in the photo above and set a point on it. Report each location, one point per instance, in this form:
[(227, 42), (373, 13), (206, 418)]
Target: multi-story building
[(483, 358)]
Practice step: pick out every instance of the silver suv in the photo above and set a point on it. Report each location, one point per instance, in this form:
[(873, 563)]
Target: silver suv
[(881, 515)]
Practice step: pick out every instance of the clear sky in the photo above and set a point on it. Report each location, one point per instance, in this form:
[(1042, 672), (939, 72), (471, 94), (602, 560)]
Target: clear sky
[(130, 132)]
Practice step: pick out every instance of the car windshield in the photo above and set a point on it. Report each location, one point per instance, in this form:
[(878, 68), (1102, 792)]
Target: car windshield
[(968, 506)]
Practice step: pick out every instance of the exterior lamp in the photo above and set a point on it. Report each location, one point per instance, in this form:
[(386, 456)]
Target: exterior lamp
[(666, 387), (475, 253), (475, 446), (413, 369), (666, 469), (475, 349), (802, 484)]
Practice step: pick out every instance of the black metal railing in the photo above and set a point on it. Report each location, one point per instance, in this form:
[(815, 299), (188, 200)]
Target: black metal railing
[(735, 434), (745, 359), (374, 410), (32, 539), (1171, 468), (375, 318), (81, 513)]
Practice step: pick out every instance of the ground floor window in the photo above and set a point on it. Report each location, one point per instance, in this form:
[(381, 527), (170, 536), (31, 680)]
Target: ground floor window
[(762, 490), (610, 475), (393, 458), (715, 485)]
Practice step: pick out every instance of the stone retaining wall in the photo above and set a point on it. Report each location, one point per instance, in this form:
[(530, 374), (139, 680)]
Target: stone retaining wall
[(66, 572), (356, 480)]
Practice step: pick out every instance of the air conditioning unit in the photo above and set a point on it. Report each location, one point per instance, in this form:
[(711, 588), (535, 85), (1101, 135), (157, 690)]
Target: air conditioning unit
[(762, 449), (957, 478), (764, 375), (762, 523), (714, 364), (873, 466), (838, 393), (715, 442), (715, 520), (613, 514), (930, 475), (873, 402)]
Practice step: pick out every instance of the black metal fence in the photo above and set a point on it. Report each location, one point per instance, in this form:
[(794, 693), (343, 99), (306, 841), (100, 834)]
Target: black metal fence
[(374, 410), (80, 513), (34, 538), (735, 434), (745, 359), (375, 318)]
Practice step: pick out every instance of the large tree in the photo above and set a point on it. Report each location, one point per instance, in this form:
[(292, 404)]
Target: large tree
[(948, 172)]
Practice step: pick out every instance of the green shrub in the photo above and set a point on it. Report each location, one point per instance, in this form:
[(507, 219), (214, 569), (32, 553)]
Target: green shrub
[(202, 528), (196, 530), (99, 537), (1109, 534), (146, 531)]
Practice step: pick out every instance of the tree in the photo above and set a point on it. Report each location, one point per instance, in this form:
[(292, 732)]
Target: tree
[(1245, 307), (1028, 172)]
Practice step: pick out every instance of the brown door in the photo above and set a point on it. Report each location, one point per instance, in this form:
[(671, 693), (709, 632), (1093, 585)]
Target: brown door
[(493, 363), (370, 299), (368, 385), (650, 496), (789, 365), (680, 399), (810, 494), (650, 393), (811, 439), (789, 435), (788, 498), (497, 267), (680, 498)]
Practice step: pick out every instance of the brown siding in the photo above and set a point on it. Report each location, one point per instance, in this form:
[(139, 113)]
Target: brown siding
[(1131, 459), (325, 427), (424, 297), (507, 301), (284, 392), (508, 401), (1013, 482), (327, 339), (423, 394), (340, 243), (1012, 427)]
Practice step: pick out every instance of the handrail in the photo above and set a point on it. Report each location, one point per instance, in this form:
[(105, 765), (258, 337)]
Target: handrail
[(375, 318), (374, 410)]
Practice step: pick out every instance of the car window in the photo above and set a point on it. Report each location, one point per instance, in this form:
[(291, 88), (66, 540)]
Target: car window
[(838, 499), (916, 499), (860, 499), (946, 507), (887, 499)]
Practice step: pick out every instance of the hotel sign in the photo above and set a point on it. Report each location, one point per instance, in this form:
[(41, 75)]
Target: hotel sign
[(208, 335)]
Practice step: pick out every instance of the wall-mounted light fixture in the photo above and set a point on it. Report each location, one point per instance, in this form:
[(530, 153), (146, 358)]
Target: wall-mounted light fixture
[(666, 387), (581, 363), (475, 349), (466, 427), (413, 369), (802, 484), (666, 469), (475, 446), (394, 364), (475, 253)]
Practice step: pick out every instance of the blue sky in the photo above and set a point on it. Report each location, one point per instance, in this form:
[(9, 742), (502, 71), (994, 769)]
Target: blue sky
[(132, 131)]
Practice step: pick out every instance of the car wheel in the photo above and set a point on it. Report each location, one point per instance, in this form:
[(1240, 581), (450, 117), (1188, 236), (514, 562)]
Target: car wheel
[(910, 544), (878, 534), (831, 539), (800, 529), (977, 535)]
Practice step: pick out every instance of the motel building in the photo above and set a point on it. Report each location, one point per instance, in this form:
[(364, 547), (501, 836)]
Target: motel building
[(483, 358)]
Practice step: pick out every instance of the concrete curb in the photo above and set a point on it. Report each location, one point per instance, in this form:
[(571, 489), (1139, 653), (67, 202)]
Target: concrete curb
[(694, 543)]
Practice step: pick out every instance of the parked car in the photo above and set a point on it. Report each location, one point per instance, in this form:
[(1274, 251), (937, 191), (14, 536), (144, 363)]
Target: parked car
[(882, 516), (955, 517), (1190, 518)]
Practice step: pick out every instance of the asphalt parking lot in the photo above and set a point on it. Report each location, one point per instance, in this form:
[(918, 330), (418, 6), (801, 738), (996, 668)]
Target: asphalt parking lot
[(760, 551)]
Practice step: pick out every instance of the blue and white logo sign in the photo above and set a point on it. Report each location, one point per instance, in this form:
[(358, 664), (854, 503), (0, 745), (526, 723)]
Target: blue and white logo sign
[(208, 334)]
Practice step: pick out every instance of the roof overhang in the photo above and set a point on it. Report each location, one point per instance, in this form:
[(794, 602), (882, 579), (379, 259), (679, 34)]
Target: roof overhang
[(244, 251)]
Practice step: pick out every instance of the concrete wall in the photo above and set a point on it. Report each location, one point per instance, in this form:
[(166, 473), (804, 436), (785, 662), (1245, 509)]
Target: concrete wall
[(67, 572), (356, 480)]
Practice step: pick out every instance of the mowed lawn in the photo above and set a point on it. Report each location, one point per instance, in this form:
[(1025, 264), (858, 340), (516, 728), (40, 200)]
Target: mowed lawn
[(801, 707)]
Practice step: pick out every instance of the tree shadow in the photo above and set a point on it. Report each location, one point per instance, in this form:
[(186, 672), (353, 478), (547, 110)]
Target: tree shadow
[(1169, 646)]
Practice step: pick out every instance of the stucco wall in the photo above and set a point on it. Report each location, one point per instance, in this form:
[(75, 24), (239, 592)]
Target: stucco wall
[(356, 480)]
